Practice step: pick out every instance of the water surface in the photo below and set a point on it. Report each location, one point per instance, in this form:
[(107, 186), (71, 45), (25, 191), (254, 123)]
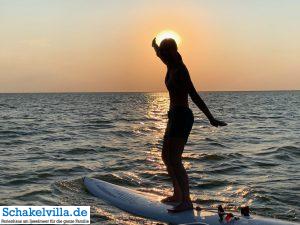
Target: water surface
[(49, 142)]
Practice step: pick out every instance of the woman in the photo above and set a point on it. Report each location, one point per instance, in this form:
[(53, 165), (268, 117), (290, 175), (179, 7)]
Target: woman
[(180, 121)]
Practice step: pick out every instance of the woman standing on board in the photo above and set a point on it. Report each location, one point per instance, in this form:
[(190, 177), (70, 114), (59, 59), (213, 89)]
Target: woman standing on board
[(179, 85)]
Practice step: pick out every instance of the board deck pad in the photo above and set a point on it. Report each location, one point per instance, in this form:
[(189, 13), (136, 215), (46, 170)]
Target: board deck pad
[(149, 206)]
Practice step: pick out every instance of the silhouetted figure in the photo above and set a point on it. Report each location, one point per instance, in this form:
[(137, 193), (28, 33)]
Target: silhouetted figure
[(179, 85)]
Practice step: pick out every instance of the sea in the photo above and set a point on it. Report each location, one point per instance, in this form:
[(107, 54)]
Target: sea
[(50, 141)]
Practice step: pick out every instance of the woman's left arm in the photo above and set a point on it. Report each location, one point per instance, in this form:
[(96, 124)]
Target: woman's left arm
[(198, 100)]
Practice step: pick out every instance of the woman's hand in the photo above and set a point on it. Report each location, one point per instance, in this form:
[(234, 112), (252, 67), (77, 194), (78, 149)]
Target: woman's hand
[(217, 123), (154, 44)]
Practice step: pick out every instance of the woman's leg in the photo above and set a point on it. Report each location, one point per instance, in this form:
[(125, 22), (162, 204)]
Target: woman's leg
[(176, 147), (177, 195)]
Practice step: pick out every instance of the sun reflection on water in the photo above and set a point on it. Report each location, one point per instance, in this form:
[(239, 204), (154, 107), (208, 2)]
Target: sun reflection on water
[(158, 105)]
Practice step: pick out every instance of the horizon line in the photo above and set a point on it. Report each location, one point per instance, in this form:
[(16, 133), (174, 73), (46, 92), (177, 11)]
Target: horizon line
[(112, 92)]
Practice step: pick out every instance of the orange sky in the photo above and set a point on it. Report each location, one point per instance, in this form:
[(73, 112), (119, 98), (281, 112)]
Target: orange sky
[(78, 45)]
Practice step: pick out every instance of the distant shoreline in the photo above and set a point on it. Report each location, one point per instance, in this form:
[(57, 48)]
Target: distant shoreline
[(140, 92)]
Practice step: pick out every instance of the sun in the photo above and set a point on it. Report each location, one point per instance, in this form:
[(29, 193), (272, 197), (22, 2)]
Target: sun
[(168, 34)]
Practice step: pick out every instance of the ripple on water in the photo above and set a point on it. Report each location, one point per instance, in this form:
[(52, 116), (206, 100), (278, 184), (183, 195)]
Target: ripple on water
[(212, 184), (284, 150)]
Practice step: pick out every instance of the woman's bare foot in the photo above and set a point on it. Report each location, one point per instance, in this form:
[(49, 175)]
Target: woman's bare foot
[(171, 199), (187, 205)]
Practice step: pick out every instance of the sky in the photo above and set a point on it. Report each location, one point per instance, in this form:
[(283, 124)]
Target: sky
[(105, 46)]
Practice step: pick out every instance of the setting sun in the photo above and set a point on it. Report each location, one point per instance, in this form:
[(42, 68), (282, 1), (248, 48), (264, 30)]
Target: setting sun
[(168, 34)]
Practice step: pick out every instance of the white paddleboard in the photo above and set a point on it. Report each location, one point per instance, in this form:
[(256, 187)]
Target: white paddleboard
[(149, 206)]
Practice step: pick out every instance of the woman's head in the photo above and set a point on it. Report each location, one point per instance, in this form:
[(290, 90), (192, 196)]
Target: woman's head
[(168, 44), (168, 51)]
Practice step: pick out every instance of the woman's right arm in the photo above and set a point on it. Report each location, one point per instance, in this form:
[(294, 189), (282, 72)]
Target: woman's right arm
[(155, 46)]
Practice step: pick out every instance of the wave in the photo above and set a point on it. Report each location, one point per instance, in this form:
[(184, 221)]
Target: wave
[(284, 152), (206, 157), (79, 151), (209, 184), (265, 164)]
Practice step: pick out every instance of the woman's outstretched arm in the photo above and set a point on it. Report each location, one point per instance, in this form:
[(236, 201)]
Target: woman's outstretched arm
[(198, 100)]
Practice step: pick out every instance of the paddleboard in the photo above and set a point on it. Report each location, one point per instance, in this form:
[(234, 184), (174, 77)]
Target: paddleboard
[(149, 206)]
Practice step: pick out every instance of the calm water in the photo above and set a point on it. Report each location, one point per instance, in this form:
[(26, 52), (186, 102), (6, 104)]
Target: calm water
[(48, 142)]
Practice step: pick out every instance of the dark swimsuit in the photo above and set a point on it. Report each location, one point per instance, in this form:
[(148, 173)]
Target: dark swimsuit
[(180, 122), (181, 118)]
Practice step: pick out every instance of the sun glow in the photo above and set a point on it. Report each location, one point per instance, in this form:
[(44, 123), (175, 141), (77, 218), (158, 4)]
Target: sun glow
[(168, 34)]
